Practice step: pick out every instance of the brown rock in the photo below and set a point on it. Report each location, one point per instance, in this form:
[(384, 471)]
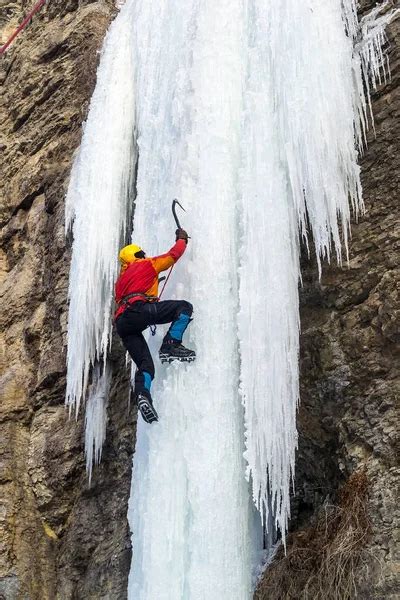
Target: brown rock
[(59, 539)]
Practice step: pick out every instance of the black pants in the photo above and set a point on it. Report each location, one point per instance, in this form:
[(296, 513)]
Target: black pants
[(136, 319)]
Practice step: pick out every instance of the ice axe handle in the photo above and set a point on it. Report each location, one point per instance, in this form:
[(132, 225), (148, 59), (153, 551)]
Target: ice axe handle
[(174, 203)]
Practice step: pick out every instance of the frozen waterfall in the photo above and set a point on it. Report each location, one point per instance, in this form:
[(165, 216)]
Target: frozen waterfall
[(252, 113), (98, 205)]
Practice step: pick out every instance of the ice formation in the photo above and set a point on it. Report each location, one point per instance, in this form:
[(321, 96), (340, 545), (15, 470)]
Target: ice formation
[(96, 416), (369, 40), (253, 114), (191, 511), (309, 70), (98, 204)]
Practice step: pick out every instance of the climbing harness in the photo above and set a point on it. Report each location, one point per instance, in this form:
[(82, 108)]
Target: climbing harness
[(22, 26), (125, 303), (124, 299)]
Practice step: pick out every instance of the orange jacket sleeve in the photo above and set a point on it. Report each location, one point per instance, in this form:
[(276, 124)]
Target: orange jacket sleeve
[(165, 261)]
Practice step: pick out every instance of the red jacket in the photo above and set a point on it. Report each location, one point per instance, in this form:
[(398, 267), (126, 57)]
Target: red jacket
[(142, 276)]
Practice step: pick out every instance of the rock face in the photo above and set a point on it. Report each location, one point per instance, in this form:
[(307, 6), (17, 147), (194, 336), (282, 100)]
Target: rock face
[(350, 367), (60, 539)]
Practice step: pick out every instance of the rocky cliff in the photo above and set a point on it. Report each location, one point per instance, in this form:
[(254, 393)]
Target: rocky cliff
[(60, 539)]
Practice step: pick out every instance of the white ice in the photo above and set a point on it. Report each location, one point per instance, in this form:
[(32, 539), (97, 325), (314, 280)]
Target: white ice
[(252, 113), (98, 205), (96, 417), (299, 171), (190, 510)]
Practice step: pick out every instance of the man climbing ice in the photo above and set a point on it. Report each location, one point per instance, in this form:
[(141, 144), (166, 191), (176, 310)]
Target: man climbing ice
[(136, 295)]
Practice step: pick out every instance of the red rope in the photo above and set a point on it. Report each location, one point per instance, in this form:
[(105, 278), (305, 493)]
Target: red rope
[(166, 281), (154, 327), (24, 23)]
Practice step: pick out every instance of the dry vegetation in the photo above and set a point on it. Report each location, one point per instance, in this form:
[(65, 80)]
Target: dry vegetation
[(327, 560)]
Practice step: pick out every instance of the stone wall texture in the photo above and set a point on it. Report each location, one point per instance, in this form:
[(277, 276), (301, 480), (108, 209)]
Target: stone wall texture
[(60, 539)]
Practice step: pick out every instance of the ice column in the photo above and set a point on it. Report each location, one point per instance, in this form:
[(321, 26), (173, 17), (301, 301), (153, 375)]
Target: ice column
[(96, 417), (268, 317), (306, 98), (190, 506), (98, 205)]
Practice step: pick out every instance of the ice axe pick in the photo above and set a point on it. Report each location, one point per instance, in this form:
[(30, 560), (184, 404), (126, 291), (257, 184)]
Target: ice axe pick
[(174, 203)]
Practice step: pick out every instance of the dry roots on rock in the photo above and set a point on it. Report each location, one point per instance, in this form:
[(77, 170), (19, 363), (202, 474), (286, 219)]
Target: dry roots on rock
[(325, 561)]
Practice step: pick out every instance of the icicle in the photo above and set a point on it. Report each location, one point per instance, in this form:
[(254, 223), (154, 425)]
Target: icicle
[(304, 98), (370, 63), (98, 206), (96, 417), (372, 38)]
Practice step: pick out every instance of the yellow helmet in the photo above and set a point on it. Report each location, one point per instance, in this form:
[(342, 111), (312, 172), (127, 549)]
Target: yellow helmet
[(127, 254)]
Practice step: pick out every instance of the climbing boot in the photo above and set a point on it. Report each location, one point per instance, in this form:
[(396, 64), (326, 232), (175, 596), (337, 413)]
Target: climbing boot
[(174, 350), (145, 405)]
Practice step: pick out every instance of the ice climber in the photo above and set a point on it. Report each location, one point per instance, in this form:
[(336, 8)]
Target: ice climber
[(136, 295)]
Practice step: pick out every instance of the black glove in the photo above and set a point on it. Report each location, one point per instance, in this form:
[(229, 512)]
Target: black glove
[(181, 235)]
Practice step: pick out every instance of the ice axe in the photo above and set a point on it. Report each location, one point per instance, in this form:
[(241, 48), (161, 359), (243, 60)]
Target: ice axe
[(174, 203)]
